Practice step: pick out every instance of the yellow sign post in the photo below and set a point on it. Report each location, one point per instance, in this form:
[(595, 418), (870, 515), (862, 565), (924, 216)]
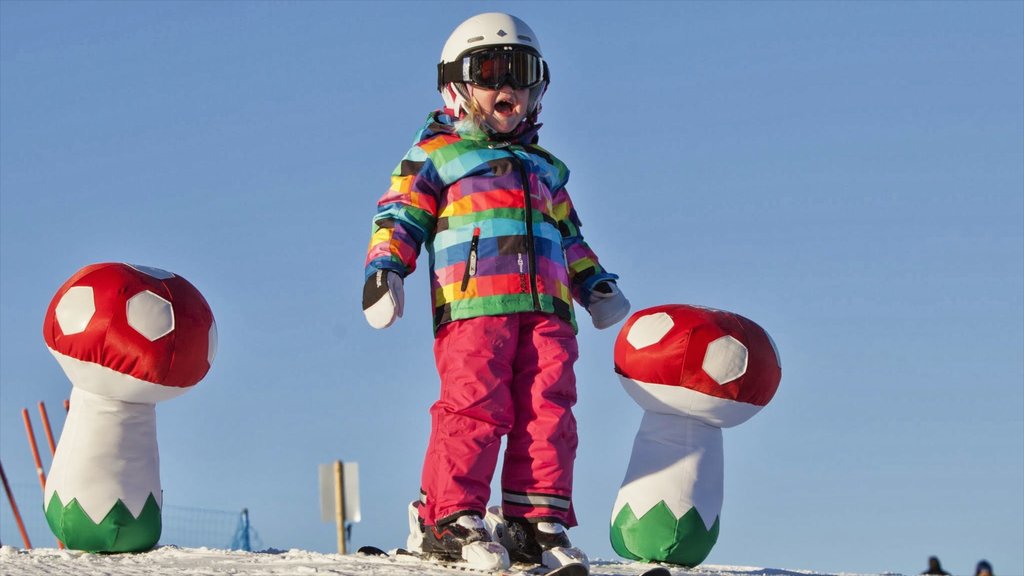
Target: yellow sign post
[(339, 498)]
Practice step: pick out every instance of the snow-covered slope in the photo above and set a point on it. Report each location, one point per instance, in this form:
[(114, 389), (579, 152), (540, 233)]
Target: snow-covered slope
[(173, 561)]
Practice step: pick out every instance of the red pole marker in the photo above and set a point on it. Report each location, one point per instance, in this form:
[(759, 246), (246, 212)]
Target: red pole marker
[(14, 509), (35, 455), (47, 429)]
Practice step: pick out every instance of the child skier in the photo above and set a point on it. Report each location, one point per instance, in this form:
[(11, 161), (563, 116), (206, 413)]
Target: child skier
[(506, 260)]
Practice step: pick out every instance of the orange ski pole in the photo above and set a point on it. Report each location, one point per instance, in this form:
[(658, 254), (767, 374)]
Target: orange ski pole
[(35, 454), (35, 449), (46, 428), (14, 508)]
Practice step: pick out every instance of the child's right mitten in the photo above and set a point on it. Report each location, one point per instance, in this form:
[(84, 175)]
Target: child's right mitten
[(608, 305), (383, 298)]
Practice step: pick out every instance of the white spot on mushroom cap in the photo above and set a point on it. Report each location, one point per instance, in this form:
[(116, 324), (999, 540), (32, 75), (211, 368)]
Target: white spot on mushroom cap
[(157, 273), (75, 309), (211, 351), (649, 330), (150, 315), (775, 349), (725, 360)]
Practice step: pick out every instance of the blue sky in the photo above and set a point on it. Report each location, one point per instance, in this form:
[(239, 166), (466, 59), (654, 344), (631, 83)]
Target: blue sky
[(848, 175)]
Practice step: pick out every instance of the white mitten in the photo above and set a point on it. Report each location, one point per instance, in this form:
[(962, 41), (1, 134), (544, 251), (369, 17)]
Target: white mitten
[(608, 306), (383, 298)]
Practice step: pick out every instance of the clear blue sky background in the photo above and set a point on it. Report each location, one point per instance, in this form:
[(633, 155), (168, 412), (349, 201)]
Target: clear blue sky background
[(848, 175)]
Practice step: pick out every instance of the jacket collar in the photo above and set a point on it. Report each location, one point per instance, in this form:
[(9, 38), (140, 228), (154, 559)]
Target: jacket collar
[(444, 122)]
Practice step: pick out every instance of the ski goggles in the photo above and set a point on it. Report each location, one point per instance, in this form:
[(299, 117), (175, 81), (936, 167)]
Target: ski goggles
[(495, 68)]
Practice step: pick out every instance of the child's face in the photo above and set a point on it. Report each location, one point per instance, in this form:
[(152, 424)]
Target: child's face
[(504, 108)]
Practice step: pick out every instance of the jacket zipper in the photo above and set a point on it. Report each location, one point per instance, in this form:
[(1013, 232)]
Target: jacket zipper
[(471, 263), (531, 254)]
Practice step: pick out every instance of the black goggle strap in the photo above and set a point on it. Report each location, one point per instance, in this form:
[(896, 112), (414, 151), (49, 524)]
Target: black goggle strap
[(457, 71)]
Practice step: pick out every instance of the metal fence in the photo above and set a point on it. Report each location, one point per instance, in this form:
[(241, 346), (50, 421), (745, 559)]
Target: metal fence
[(183, 526)]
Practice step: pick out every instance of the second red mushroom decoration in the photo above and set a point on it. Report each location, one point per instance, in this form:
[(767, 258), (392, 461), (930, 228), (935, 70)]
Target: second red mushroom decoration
[(694, 371)]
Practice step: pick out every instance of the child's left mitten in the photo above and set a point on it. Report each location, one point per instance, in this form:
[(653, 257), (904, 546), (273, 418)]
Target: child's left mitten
[(383, 298), (608, 305)]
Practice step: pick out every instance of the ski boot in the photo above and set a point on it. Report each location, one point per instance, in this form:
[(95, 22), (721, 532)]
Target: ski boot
[(464, 539), (414, 542), (545, 543)]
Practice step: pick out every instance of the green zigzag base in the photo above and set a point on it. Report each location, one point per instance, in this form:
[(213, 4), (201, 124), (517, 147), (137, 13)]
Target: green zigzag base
[(657, 536), (119, 531)]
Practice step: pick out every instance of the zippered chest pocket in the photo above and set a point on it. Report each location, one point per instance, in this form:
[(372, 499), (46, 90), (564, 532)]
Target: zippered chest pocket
[(471, 260)]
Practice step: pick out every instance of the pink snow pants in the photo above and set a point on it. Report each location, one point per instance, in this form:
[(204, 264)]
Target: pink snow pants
[(503, 376)]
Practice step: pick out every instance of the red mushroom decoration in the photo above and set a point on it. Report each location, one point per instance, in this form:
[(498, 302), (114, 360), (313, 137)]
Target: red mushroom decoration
[(708, 364), (127, 337), (151, 327), (694, 371)]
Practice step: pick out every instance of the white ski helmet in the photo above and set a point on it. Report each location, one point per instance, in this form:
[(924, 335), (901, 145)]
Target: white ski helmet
[(494, 33)]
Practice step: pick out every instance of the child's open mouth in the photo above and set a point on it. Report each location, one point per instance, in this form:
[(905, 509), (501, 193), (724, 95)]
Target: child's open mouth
[(504, 107)]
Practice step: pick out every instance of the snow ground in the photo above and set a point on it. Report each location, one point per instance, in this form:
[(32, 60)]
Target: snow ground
[(174, 561)]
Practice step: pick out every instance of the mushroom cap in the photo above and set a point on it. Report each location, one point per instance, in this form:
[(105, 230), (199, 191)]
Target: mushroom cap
[(131, 333), (711, 364)]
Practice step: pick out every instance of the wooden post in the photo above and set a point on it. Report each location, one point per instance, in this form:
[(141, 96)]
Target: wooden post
[(14, 509), (339, 504)]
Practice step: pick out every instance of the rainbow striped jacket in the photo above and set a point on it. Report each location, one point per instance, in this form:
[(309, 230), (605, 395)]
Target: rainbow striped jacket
[(466, 197)]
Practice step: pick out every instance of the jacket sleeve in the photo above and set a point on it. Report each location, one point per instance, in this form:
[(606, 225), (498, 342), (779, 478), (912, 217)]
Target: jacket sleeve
[(585, 271), (406, 216)]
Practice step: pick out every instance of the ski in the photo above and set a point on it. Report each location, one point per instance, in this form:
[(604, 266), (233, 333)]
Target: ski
[(515, 570), (567, 570)]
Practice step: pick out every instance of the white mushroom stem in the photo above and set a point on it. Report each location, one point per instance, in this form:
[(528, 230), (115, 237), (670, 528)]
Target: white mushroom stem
[(677, 460), (107, 452)]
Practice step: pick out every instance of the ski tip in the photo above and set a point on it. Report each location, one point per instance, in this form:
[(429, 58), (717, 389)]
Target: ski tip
[(371, 551)]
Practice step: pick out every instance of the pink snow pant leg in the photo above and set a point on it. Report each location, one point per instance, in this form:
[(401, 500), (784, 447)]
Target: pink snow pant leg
[(503, 375)]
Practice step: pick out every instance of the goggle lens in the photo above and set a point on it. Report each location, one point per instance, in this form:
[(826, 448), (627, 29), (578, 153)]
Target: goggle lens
[(495, 68)]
